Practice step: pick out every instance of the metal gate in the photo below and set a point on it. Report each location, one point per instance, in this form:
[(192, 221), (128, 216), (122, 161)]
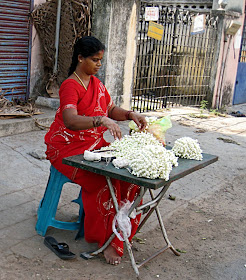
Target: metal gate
[(14, 48), (176, 69)]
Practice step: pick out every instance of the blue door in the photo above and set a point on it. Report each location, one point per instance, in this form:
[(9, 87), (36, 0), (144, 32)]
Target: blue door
[(240, 86)]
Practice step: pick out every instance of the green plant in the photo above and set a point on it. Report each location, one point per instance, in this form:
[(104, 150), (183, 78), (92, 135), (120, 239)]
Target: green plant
[(214, 111), (203, 106), (218, 113)]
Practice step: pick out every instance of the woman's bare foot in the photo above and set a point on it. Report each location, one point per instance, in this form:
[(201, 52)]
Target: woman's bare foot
[(111, 255)]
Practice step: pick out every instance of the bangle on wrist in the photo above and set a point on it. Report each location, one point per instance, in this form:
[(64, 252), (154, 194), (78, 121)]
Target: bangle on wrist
[(97, 121), (127, 115)]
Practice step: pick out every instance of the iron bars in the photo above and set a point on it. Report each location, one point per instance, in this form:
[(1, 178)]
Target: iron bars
[(177, 69)]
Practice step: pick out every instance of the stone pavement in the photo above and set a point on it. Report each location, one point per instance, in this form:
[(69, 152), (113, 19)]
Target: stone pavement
[(24, 173)]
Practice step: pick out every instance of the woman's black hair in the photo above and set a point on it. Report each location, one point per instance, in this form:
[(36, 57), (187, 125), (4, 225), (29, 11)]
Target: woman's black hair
[(85, 46)]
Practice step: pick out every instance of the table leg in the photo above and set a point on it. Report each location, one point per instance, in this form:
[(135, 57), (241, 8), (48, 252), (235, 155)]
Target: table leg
[(127, 243), (155, 201), (90, 255), (150, 206), (163, 228)]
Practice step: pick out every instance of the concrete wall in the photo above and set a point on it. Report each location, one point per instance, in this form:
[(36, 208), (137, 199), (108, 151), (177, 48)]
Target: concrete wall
[(115, 24), (100, 29), (37, 69), (228, 55), (230, 62), (233, 5)]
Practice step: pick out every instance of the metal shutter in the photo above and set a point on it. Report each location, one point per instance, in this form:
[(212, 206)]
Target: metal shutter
[(14, 48)]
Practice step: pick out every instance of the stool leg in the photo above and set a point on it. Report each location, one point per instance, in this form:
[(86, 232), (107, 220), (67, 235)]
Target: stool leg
[(48, 205), (79, 201), (81, 231)]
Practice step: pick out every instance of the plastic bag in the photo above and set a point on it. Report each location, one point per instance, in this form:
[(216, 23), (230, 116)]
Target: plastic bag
[(157, 127), (122, 220)]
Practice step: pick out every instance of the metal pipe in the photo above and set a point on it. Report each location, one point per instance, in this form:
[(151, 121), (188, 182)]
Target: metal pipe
[(58, 19)]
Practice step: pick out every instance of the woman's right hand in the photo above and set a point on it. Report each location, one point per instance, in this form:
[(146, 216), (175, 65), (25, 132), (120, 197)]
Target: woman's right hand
[(112, 126)]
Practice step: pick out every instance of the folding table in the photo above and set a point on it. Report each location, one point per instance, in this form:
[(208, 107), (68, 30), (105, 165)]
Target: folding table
[(106, 169)]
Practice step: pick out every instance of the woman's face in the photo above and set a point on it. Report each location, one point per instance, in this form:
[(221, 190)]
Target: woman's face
[(91, 64)]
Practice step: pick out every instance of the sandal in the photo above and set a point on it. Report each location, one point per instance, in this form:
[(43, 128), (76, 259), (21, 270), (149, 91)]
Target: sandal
[(60, 249), (237, 114)]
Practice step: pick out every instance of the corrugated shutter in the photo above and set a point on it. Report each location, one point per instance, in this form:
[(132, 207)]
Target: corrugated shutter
[(14, 48)]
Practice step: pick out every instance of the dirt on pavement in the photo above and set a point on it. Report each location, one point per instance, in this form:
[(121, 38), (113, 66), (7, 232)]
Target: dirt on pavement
[(210, 234), (209, 231)]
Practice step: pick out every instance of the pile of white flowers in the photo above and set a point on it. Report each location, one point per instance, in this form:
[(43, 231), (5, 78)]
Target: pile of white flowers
[(153, 162), (187, 147), (148, 158), (146, 155), (129, 143)]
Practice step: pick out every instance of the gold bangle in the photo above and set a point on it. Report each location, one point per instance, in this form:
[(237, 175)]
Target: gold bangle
[(97, 121)]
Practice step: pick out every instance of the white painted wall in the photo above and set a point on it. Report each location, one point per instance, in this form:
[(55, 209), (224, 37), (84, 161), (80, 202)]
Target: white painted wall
[(130, 59), (36, 56)]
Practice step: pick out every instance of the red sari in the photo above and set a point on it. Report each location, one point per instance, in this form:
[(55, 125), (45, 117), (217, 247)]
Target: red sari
[(62, 142)]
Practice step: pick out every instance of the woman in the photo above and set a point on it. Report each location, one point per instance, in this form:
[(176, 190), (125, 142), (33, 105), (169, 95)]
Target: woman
[(86, 111)]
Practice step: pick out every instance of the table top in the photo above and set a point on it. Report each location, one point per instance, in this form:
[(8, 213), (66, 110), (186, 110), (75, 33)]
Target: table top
[(185, 167)]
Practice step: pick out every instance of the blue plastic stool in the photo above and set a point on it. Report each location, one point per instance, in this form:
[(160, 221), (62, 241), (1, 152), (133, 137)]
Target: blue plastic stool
[(48, 206)]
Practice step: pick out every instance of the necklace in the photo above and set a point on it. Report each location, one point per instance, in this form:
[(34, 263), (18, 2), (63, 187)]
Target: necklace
[(80, 80)]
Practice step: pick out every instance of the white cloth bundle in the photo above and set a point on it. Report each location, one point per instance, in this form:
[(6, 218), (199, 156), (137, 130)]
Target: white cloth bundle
[(120, 162), (90, 156)]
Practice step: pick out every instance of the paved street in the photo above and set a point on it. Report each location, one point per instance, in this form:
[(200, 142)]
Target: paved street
[(24, 173)]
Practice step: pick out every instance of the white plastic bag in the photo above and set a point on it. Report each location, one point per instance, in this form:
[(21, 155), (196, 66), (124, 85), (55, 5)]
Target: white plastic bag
[(122, 220)]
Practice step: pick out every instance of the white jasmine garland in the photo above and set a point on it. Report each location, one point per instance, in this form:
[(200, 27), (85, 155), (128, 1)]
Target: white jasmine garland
[(147, 157), (153, 162), (186, 147), (130, 143)]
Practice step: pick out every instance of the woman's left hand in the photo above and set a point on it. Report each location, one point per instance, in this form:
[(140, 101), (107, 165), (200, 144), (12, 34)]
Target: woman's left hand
[(139, 120)]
